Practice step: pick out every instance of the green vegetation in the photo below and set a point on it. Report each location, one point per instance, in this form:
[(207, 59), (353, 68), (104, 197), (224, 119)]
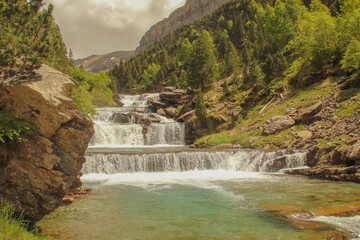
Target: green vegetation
[(351, 102), (93, 91), (13, 226), (12, 132), (12, 128)]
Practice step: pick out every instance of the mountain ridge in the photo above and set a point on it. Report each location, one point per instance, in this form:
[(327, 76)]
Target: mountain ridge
[(192, 11), (96, 63)]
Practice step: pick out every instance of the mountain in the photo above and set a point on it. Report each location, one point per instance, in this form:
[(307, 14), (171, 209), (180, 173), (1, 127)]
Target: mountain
[(96, 63), (192, 11)]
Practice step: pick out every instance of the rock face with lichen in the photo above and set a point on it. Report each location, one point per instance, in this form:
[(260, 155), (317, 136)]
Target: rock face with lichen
[(48, 165)]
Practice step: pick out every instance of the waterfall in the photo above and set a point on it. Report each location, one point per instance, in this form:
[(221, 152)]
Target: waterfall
[(135, 126), (247, 161), (126, 125)]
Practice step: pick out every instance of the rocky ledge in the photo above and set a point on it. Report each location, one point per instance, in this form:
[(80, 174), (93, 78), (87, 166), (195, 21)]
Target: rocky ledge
[(47, 166)]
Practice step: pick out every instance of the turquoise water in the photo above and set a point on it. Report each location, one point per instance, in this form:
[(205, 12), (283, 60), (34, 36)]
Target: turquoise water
[(198, 205)]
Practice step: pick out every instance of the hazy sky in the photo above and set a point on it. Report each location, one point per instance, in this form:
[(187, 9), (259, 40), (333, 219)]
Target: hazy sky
[(103, 26)]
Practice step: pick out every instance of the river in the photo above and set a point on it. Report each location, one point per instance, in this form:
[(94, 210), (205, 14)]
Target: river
[(147, 184)]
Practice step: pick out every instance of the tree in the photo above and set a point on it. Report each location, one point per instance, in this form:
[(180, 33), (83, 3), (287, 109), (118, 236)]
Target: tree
[(29, 37), (200, 108), (315, 42), (150, 76), (203, 67), (351, 58)]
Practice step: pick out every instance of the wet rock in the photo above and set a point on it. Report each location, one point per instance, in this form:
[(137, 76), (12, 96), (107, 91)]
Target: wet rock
[(47, 166), (307, 115), (277, 124), (120, 118), (325, 235), (347, 174), (118, 101), (170, 111), (156, 104), (347, 209), (173, 98), (161, 112), (286, 211)]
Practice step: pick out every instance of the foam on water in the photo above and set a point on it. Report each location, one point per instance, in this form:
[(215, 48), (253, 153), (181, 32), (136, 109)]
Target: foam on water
[(201, 179), (351, 224)]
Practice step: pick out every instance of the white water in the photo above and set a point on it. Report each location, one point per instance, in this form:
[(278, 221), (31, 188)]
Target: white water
[(352, 224), (111, 134), (243, 161)]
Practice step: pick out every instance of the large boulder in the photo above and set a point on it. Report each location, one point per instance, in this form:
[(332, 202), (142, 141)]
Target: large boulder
[(47, 166), (173, 98), (277, 124), (307, 115)]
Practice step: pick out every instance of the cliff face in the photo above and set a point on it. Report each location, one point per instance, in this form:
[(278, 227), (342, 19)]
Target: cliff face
[(192, 11), (44, 168)]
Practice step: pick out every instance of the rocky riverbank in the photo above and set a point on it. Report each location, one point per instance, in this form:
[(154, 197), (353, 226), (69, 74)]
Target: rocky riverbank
[(323, 119)]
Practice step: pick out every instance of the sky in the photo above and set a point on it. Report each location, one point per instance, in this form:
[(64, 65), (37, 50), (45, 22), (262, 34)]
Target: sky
[(102, 26)]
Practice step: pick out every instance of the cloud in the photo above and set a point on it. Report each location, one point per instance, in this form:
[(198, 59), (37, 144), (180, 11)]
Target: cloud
[(102, 26)]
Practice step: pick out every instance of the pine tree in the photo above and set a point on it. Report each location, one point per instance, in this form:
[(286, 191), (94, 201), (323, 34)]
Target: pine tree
[(200, 108), (203, 67)]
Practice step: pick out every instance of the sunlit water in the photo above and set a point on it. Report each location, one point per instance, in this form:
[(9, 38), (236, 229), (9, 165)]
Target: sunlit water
[(197, 205)]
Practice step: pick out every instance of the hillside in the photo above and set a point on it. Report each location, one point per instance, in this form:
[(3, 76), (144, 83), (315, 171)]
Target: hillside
[(192, 10), (96, 63)]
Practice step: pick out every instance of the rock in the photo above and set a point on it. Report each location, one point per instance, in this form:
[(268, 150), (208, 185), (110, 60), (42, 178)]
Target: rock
[(156, 104), (354, 153), (171, 111), (180, 91), (306, 115), (149, 120), (153, 119), (223, 118), (277, 124), (161, 112), (173, 98), (186, 116), (340, 210), (67, 201), (118, 101), (218, 107), (325, 235), (169, 89), (224, 146), (304, 134), (46, 167), (290, 111), (120, 118)]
